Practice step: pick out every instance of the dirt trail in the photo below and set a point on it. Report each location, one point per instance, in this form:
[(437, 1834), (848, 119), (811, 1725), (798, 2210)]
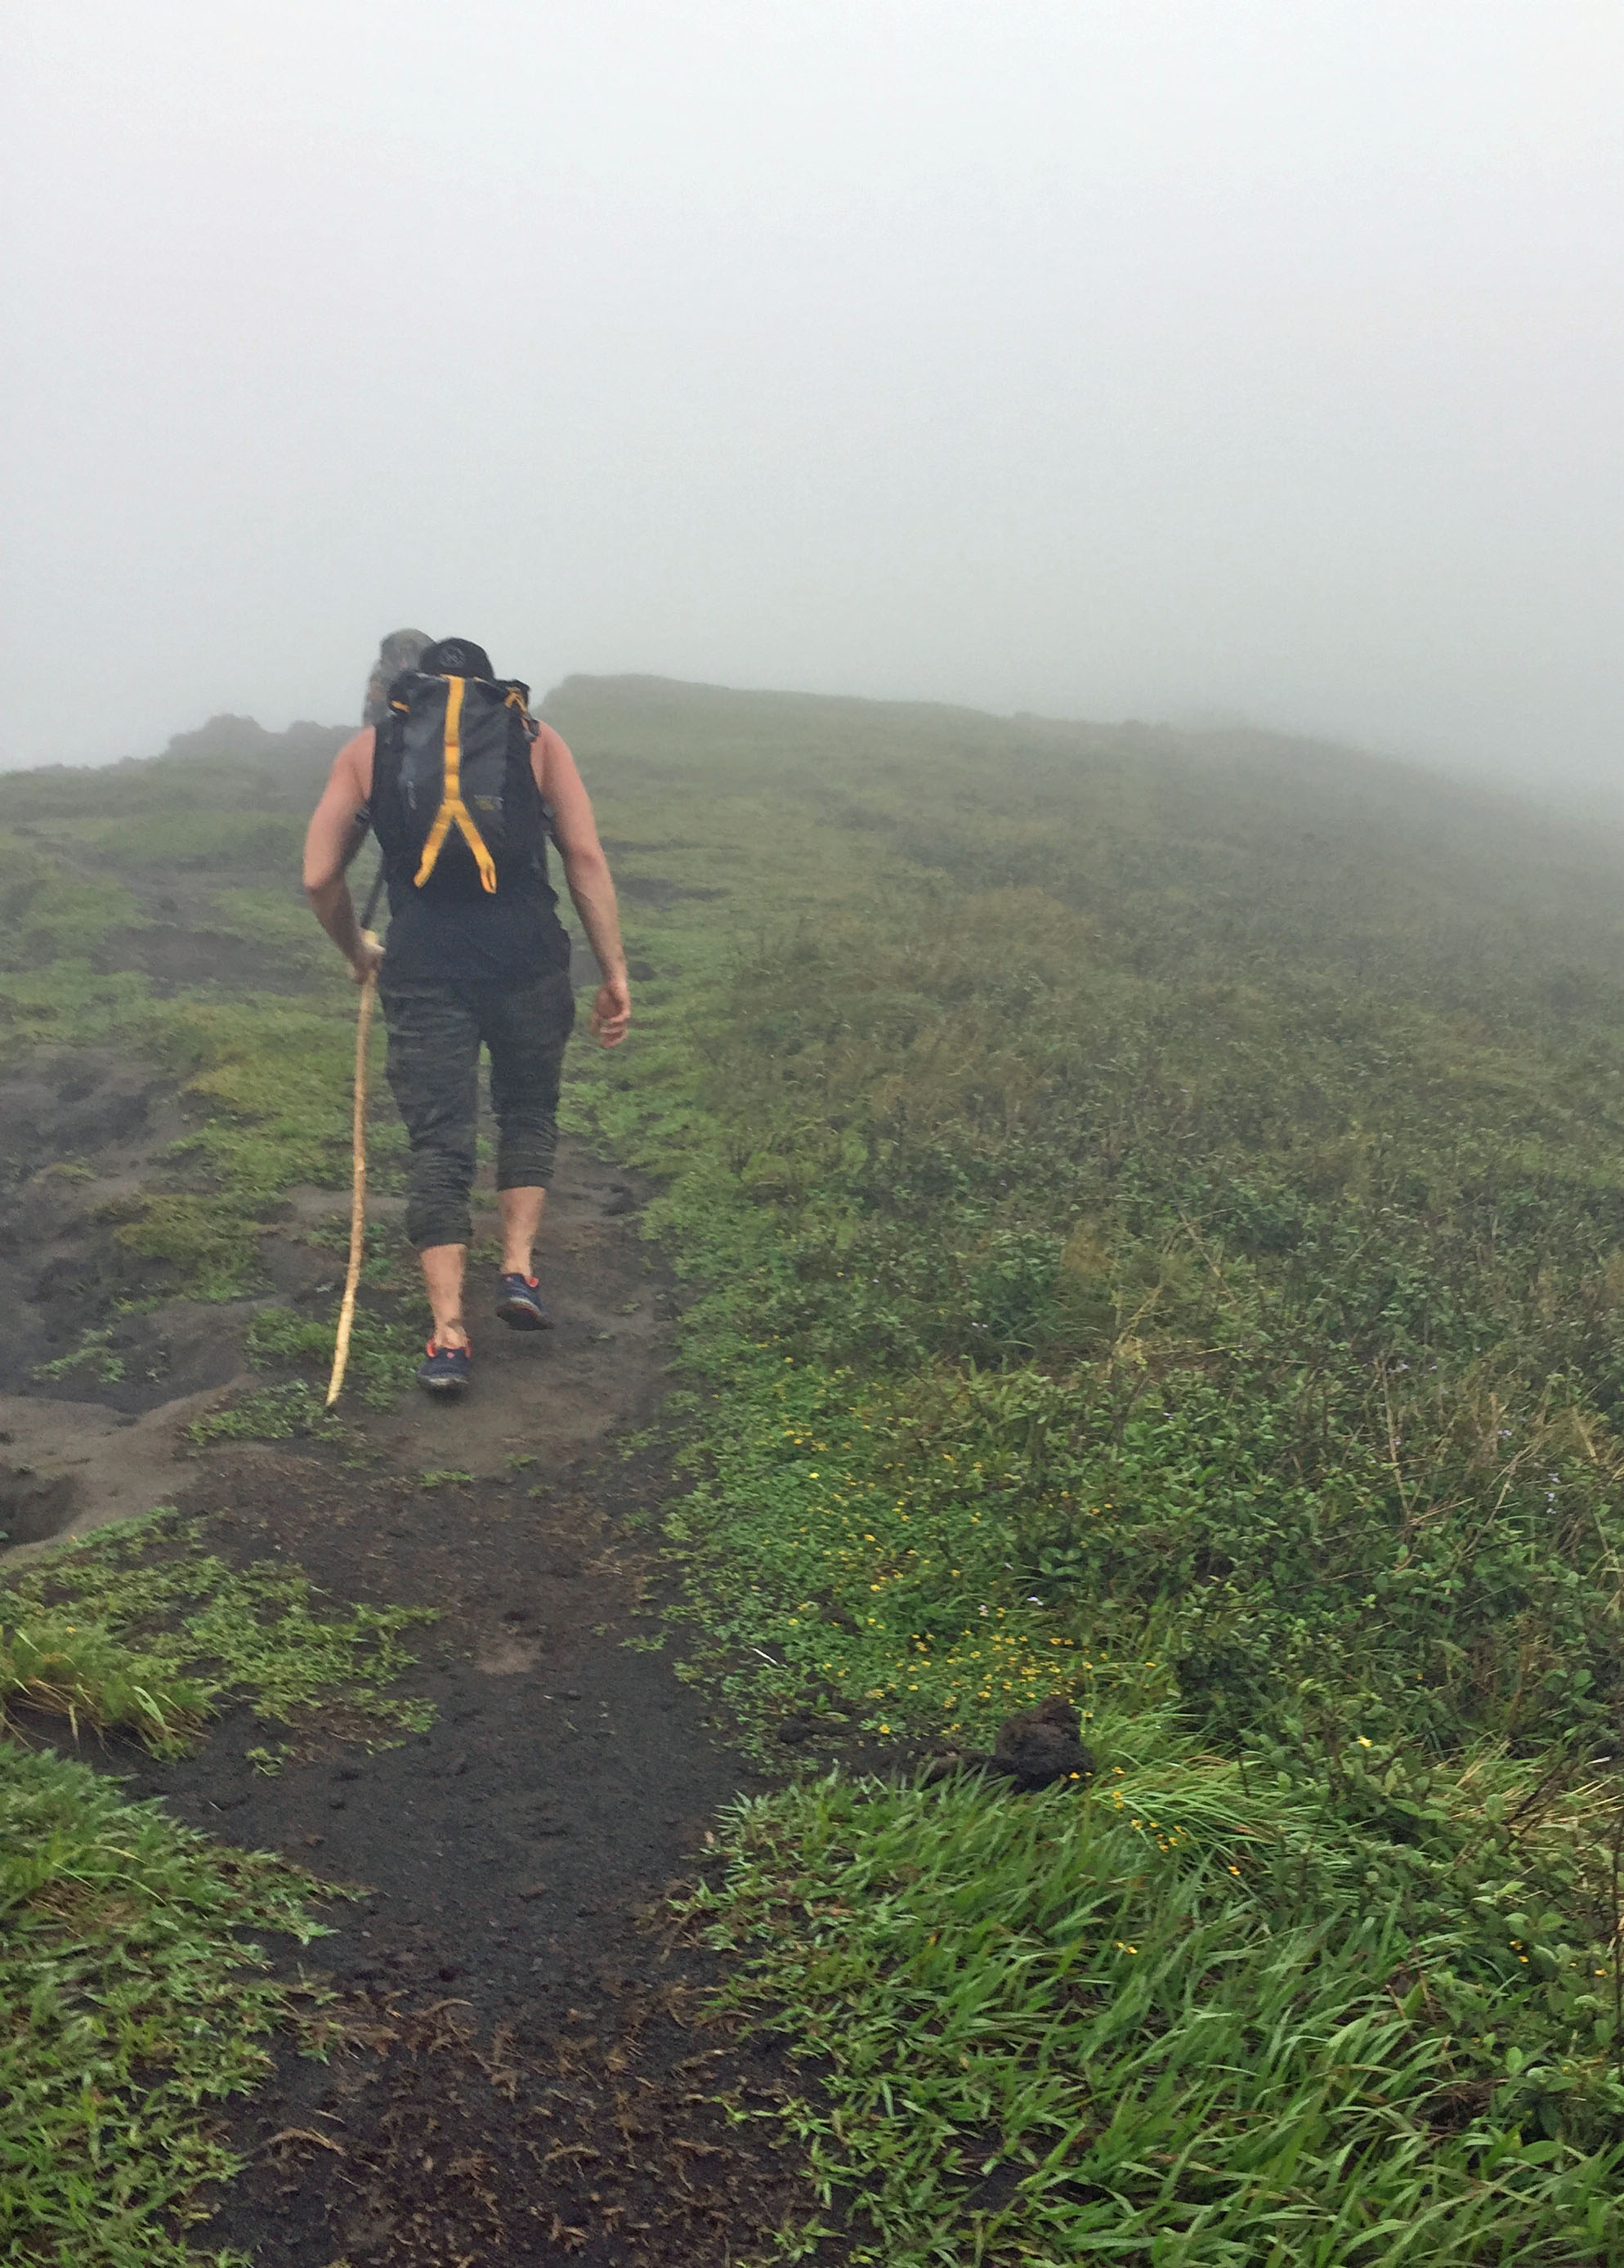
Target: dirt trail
[(96, 1441), (521, 2075)]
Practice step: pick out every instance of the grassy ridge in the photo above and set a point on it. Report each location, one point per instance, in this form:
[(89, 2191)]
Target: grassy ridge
[(1164, 1210), (1206, 1303), (1160, 1211)]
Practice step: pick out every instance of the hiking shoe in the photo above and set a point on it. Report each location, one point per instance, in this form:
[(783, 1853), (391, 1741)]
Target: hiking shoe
[(444, 1370), (519, 1305)]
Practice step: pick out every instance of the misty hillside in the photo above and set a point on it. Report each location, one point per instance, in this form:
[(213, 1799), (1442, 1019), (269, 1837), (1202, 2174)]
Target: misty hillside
[(230, 761), (1191, 851), (1147, 1213), (1185, 847)]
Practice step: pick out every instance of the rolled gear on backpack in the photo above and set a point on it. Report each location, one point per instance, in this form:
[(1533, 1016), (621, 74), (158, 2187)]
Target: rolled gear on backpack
[(400, 651), (455, 805)]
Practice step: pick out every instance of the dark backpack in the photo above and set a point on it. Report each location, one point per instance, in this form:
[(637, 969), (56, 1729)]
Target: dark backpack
[(455, 805)]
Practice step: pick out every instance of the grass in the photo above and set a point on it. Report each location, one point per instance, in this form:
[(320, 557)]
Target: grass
[(141, 1626), (1054, 2029), (93, 1353), (383, 1356), (1155, 1206), (130, 2001), (1158, 1214), (133, 2003), (92, 855)]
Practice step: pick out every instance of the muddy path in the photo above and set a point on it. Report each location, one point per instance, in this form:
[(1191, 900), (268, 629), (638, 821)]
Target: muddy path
[(518, 2067)]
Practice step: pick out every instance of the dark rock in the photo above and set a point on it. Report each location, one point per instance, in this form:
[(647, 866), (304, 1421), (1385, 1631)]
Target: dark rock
[(793, 1731), (1037, 1746)]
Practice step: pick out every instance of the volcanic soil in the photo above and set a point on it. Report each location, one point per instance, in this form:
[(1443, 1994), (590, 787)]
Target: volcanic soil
[(517, 2064)]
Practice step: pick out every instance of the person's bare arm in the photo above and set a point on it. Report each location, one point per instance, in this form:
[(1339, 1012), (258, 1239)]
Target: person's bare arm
[(586, 871), (337, 830)]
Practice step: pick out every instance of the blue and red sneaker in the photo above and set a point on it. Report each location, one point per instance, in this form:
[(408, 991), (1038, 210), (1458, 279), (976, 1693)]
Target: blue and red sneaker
[(444, 1369), (519, 1305)]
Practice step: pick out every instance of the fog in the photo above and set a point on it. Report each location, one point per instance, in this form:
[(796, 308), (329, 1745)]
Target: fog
[(1153, 360)]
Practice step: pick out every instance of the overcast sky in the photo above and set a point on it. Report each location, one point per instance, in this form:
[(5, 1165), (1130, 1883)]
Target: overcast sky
[(1140, 359)]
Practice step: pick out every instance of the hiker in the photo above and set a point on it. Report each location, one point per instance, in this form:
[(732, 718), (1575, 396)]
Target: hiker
[(400, 651), (462, 785)]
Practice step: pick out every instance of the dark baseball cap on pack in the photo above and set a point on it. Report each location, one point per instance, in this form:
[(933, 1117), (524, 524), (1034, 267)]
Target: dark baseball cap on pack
[(456, 657)]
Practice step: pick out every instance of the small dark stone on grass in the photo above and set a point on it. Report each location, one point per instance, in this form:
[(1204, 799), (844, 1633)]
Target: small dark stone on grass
[(793, 1731), (1035, 1747)]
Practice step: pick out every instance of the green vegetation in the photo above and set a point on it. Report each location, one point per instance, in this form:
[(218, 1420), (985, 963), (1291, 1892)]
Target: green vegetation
[(382, 1357), (1162, 1214), (93, 1353), (1178, 2023), (1157, 1207), (88, 864), (292, 1410), (132, 2004), (129, 2002), (141, 1625)]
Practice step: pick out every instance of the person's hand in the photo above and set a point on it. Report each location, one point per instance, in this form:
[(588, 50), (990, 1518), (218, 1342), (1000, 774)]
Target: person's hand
[(368, 961), (611, 1012)]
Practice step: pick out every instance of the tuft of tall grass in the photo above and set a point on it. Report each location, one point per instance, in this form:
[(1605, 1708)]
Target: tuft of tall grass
[(79, 1670), (132, 2002), (1162, 2023), (140, 1627)]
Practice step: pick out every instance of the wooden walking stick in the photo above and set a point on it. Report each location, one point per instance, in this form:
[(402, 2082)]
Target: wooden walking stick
[(357, 1185)]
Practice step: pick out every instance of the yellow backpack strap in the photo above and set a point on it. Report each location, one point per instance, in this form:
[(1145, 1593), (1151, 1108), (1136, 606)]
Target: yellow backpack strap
[(452, 808)]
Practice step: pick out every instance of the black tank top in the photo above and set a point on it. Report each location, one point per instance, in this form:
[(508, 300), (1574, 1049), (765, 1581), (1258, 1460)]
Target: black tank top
[(512, 939)]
